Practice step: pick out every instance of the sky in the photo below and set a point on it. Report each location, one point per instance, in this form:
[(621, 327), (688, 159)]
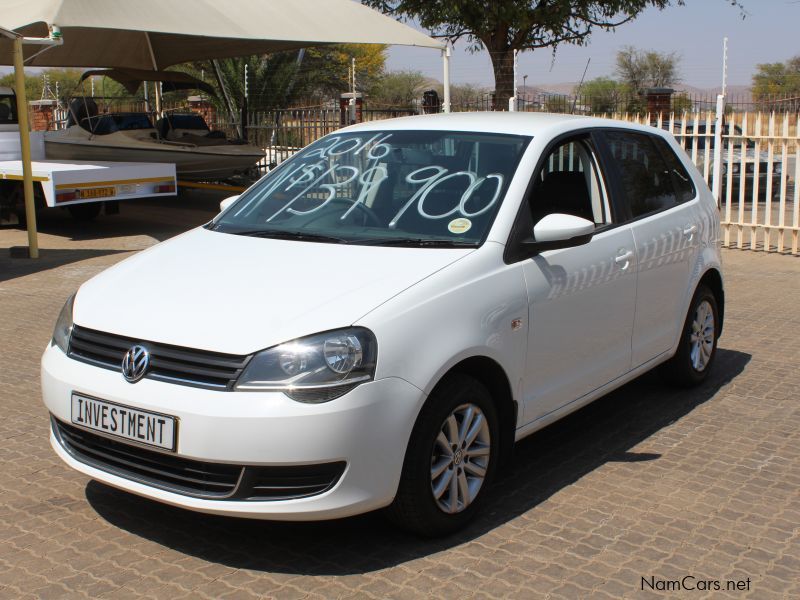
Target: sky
[(768, 33)]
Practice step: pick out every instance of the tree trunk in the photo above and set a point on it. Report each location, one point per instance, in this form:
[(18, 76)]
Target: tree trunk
[(503, 66)]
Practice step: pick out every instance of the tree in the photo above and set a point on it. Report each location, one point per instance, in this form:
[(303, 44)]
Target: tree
[(398, 89), (282, 79), (640, 69), (503, 26), (63, 82), (682, 103), (602, 95), (773, 79), (468, 96)]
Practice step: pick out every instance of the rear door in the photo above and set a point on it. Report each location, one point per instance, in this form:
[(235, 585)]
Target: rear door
[(662, 206)]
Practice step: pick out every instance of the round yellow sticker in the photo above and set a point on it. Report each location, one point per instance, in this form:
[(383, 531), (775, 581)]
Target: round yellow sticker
[(459, 225)]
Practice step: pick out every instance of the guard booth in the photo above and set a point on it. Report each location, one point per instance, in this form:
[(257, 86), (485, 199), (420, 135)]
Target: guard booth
[(351, 108), (430, 102)]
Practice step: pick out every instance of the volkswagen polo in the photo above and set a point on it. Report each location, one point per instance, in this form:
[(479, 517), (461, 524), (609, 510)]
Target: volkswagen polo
[(377, 321)]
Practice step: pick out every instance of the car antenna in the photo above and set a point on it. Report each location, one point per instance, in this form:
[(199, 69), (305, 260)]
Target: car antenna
[(578, 90)]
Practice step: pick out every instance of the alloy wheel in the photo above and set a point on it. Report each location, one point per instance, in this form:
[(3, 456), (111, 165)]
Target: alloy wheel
[(460, 458), (702, 336)]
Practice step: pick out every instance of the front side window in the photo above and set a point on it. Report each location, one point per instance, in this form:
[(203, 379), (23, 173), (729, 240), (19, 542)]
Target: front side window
[(568, 182), (424, 188), (646, 180)]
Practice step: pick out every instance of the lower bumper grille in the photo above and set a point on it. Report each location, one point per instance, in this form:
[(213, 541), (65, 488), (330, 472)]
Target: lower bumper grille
[(199, 479)]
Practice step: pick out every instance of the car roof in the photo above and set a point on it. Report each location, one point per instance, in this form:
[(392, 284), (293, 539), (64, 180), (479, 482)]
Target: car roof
[(6, 91), (516, 123)]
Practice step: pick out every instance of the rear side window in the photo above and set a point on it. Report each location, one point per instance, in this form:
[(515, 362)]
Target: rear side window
[(645, 177), (684, 188)]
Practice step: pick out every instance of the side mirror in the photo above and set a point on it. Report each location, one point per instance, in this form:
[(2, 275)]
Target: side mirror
[(559, 230), (227, 202)]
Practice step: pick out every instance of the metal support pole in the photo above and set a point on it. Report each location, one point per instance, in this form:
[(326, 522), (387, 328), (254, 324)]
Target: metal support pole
[(716, 172), (228, 103), (446, 79), (512, 102), (725, 66), (25, 147)]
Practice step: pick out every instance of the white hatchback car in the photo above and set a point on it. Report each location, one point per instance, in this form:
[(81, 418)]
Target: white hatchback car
[(375, 322)]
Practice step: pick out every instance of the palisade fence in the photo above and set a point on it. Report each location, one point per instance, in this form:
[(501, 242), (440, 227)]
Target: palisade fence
[(759, 165)]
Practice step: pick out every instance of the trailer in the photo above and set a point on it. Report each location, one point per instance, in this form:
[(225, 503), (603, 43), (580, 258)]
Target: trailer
[(83, 187)]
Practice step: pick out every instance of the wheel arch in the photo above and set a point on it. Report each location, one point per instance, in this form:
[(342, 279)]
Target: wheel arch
[(492, 375), (712, 278)]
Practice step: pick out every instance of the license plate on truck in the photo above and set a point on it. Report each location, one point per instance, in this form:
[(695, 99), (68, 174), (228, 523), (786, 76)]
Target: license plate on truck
[(140, 426), (102, 192)]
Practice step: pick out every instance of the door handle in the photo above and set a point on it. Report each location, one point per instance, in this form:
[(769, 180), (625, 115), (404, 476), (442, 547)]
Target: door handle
[(689, 231), (624, 259)]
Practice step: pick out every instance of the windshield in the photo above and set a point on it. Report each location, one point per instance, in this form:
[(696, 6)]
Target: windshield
[(425, 188), (110, 123), (181, 121)]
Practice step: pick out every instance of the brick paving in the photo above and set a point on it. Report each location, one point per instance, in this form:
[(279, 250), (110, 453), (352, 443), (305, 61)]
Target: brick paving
[(648, 482)]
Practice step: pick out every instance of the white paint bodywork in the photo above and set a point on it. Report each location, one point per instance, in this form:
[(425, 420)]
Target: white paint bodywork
[(566, 326)]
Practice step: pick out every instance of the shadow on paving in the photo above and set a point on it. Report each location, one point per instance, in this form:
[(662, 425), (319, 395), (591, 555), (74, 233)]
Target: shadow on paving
[(49, 258), (158, 218), (543, 464)]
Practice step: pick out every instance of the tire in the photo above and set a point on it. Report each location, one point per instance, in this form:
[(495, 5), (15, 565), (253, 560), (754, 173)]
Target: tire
[(415, 507), (85, 212), (693, 360)]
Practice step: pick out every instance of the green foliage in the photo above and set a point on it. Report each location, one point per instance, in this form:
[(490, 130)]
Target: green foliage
[(603, 95), (288, 78), (640, 69), (558, 104), (682, 103), (467, 94), (64, 84), (398, 89), (502, 26), (773, 79)]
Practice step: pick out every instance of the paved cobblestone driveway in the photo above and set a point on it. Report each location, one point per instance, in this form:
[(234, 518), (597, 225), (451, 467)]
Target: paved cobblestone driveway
[(648, 482)]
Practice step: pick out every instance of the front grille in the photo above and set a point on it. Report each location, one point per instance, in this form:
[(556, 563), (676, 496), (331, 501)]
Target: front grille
[(173, 364), (196, 478), (165, 471)]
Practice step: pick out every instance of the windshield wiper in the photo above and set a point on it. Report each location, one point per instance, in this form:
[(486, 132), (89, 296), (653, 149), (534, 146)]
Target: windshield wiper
[(417, 242), (291, 235)]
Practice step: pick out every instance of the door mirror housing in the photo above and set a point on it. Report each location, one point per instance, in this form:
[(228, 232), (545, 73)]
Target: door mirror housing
[(559, 230), (227, 202)]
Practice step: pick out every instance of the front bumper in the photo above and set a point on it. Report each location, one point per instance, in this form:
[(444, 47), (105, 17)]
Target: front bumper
[(368, 429)]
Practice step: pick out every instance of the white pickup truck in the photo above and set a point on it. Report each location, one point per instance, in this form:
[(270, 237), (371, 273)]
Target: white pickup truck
[(81, 187)]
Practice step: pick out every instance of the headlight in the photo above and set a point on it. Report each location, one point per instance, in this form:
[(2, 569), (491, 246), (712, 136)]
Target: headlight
[(777, 168), (735, 168), (314, 369), (63, 327)]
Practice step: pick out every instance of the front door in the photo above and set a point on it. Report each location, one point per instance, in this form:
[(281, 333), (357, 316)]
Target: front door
[(581, 300)]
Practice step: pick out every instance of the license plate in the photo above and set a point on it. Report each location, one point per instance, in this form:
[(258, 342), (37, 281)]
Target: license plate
[(141, 426), (103, 192)]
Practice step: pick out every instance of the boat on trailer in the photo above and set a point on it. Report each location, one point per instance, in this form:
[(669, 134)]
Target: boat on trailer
[(183, 139)]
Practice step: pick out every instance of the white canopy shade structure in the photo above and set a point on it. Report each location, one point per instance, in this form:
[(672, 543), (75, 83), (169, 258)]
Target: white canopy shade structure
[(156, 34)]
